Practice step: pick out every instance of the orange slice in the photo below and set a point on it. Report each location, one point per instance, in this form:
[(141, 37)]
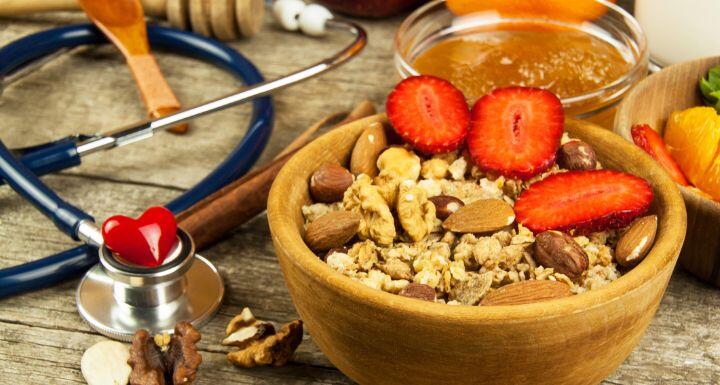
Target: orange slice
[(692, 137), (710, 182)]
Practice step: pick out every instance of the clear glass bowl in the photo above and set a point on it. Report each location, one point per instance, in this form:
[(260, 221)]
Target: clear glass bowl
[(434, 23)]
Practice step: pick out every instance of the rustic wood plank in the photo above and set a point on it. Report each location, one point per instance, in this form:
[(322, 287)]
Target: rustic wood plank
[(34, 355), (41, 335), (681, 339), (102, 96)]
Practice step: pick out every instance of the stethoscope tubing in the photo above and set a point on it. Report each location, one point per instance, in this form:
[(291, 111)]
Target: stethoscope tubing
[(70, 263)]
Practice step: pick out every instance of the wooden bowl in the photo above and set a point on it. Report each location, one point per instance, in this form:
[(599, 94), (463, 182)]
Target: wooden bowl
[(652, 101), (380, 338)]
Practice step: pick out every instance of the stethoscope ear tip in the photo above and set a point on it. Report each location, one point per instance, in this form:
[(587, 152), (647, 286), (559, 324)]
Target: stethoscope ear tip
[(117, 299)]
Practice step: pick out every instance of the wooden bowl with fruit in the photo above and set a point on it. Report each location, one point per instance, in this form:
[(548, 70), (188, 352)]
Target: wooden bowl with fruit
[(672, 103), (499, 244)]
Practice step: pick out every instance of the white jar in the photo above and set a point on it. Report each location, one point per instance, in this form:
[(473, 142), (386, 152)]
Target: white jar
[(679, 30)]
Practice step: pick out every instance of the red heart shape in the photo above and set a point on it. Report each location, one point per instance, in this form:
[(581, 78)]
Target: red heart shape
[(145, 241)]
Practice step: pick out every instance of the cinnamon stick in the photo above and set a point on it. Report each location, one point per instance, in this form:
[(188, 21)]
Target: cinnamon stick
[(223, 211)]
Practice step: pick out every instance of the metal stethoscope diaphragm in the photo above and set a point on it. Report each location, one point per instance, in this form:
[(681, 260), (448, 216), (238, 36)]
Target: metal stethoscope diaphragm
[(116, 297)]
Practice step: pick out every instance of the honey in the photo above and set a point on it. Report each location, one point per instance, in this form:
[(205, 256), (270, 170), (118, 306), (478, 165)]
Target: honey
[(568, 62)]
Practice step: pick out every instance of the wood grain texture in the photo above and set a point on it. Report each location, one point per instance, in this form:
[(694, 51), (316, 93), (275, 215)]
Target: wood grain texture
[(41, 335), (25, 7), (380, 338), (652, 101), (123, 22), (221, 13)]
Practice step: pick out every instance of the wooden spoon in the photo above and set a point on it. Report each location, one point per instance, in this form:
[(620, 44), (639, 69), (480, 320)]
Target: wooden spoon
[(123, 22)]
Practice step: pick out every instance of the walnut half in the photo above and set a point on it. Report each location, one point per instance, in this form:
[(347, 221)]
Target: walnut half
[(174, 361), (259, 343)]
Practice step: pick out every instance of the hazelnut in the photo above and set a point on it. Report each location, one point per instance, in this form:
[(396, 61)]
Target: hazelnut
[(329, 182), (418, 291), (559, 251), (576, 155), (445, 205)]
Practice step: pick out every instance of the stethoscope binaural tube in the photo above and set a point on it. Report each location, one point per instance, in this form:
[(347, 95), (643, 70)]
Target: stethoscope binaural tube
[(70, 263), (62, 154), (67, 152), (67, 264)]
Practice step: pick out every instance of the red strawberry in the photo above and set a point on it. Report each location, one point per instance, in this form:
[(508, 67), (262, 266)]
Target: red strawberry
[(516, 131), (585, 201), (650, 141), (429, 113)]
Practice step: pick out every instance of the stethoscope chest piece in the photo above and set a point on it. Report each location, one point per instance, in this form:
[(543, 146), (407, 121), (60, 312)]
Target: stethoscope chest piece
[(117, 298)]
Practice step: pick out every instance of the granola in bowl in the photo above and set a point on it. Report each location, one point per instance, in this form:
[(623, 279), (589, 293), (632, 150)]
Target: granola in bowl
[(445, 221)]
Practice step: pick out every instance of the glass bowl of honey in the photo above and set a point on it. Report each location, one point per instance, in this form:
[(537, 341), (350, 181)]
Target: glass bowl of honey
[(588, 52)]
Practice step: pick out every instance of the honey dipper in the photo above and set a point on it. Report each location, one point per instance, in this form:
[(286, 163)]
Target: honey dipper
[(223, 19), (123, 22)]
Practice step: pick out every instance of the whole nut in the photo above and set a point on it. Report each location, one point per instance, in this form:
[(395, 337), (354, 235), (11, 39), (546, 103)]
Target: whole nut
[(524, 292), (559, 251), (634, 244), (576, 155), (371, 142), (446, 205), (418, 291), (333, 229), (329, 182), (481, 216)]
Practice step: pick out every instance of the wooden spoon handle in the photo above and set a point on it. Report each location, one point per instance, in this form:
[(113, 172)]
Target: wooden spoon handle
[(23, 7), (156, 93)]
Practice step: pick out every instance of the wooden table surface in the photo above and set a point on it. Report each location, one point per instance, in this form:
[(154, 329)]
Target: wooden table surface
[(41, 335)]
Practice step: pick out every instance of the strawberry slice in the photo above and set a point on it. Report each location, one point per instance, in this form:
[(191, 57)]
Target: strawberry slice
[(649, 140), (429, 113), (516, 131), (584, 201)]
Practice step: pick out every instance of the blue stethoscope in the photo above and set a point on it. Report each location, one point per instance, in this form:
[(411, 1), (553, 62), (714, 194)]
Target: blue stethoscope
[(20, 168)]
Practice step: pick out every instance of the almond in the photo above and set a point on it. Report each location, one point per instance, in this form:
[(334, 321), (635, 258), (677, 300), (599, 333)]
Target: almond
[(482, 216), (371, 142), (576, 155), (445, 205), (329, 182), (332, 230), (526, 292), (560, 251), (634, 244)]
